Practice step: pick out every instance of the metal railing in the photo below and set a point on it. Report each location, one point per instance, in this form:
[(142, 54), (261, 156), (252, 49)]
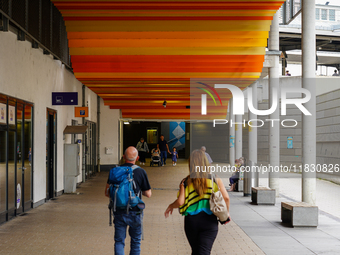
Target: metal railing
[(39, 20)]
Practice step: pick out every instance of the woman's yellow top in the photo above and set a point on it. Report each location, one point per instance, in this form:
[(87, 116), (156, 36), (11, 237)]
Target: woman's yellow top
[(194, 204)]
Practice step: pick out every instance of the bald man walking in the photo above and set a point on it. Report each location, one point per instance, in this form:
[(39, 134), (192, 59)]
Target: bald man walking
[(134, 218)]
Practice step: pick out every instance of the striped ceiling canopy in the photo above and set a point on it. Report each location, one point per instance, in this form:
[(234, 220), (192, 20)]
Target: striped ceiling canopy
[(136, 54)]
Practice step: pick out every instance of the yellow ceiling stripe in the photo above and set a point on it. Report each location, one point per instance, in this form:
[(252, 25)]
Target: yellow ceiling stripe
[(168, 25), (170, 35)]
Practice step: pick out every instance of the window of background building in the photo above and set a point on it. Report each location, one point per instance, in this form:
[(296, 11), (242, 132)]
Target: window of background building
[(332, 15), (324, 14), (317, 14)]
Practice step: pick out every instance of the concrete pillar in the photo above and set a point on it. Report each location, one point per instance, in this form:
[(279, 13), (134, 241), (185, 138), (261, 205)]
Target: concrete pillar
[(252, 142), (231, 134), (274, 128), (238, 136), (308, 82)]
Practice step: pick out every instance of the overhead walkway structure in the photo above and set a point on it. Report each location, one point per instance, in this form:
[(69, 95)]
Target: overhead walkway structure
[(136, 54)]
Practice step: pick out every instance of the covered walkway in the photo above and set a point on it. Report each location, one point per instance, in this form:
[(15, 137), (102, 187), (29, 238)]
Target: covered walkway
[(78, 224)]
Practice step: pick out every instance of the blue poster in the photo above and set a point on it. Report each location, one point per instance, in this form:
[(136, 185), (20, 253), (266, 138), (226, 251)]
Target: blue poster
[(290, 142), (177, 135), (232, 141)]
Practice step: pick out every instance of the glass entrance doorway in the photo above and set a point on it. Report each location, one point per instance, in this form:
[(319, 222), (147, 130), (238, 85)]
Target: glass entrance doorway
[(51, 122), (90, 149), (16, 154)]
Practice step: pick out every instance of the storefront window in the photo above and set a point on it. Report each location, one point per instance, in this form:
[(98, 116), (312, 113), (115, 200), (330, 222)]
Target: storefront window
[(16, 133)]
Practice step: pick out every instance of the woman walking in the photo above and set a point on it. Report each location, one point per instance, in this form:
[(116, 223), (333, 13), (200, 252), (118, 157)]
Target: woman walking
[(200, 224), (142, 148)]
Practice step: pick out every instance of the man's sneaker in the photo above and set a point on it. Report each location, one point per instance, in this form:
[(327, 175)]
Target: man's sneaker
[(173, 164)]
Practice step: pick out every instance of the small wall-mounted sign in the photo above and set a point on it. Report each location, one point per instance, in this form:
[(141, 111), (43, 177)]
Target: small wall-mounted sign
[(64, 98), (81, 112), (3, 118), (289, 142), (232, 141), (109, 150)]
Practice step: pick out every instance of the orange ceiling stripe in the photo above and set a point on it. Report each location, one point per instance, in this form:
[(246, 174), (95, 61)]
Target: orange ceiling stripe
[(110, 43), (168, 35), (167, 75), (167, 25), (169, 51)]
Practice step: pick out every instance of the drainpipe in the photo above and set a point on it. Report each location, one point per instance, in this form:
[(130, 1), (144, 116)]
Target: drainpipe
[(84, 144), (98, 133)]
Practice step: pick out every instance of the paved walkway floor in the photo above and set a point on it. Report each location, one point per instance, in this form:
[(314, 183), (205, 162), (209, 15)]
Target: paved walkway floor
[(78, 224)]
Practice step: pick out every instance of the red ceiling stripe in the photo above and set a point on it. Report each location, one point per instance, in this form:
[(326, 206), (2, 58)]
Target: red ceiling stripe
[(208, 7), (165, 69)]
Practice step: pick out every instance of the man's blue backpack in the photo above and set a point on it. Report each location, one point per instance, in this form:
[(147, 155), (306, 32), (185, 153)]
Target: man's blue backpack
[(122, 194)]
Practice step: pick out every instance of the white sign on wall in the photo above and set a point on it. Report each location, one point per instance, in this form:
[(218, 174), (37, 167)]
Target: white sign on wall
[(11, 115), (3, 113)]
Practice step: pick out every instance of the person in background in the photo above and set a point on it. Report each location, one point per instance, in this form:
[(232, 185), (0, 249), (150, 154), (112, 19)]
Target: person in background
[(30, 156), (164, 148), (242, 162), (142, 148), (206, 154), (200, 224), (287, 73), (235, 176), (335, 73), (174, 154), (155, 152)]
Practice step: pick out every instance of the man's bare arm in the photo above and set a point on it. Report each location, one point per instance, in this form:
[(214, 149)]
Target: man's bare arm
[(147, 193), (107, 191)]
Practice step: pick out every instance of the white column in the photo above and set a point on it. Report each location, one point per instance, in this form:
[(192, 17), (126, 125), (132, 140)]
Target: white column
[(252, 142), (308, 82), (274, 131), (238, 136), (231, 133)]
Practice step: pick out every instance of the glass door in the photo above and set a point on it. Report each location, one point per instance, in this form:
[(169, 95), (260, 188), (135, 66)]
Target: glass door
[(90, 149), (19, 158), (27, 156), (51, 116), (16, 174), (3, 161), (11, 160)]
